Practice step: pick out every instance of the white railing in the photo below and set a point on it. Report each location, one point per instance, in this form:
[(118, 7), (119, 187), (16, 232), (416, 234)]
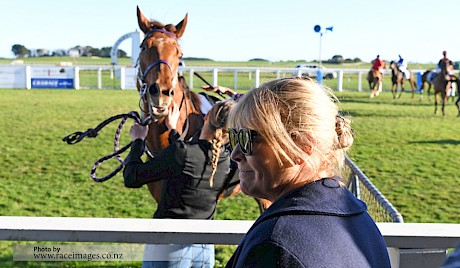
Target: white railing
[(403, 239), (121, 77)]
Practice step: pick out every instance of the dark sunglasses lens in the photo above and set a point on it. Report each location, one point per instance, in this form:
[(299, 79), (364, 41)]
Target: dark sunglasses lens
[(232, 135), (245, 141)]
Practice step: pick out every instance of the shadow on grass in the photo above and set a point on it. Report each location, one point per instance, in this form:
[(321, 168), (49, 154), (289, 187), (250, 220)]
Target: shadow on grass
[(395, 102), (451, 142)]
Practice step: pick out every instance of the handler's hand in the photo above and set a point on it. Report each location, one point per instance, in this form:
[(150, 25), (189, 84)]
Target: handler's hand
[(221, 89), (172, 117), (138, 131)]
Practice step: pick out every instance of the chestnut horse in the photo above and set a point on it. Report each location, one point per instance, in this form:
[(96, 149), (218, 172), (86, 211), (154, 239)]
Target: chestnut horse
[(442, 85), (398, 79), (160, 85), (375, 79)]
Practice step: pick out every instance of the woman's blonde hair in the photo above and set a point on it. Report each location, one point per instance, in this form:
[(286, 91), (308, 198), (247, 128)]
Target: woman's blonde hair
[(217, 120), (293, 114)]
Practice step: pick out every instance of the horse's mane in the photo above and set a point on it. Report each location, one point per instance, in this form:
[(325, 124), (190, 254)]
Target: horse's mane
[(158, 25), (193, 96)]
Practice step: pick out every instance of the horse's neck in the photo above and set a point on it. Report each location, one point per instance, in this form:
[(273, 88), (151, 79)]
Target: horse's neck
[(190, 119)]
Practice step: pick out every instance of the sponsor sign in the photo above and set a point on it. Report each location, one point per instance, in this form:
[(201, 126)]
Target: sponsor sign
[(52, 77), (52, 83)]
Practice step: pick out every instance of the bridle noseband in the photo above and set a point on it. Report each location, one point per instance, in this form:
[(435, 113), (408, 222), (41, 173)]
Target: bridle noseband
[(141, 75), (143, 90)]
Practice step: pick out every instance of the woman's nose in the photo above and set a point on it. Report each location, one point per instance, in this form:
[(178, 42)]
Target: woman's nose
[(237, 154)]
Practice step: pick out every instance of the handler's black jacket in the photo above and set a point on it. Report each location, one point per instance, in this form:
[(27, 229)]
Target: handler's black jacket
[(185, 168)]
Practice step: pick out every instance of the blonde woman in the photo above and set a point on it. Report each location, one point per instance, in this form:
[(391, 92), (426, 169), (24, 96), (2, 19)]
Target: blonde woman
[(194, 172), (289, 141)]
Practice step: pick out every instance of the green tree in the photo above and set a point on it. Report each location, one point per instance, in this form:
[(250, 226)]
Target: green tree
[(19, 50), (337, 59)]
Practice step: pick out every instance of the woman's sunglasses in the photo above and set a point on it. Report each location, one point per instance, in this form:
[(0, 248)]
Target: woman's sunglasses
[(244, 137)]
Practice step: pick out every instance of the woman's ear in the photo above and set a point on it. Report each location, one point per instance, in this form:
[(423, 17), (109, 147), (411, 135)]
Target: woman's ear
[(305, 141)]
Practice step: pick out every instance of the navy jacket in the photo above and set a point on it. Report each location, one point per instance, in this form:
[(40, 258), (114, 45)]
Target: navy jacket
[(320, 224)]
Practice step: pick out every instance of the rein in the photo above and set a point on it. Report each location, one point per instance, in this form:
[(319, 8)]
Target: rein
[(78, 136)]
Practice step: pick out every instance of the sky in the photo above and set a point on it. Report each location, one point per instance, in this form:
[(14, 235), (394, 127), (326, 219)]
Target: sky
[(240, 30)]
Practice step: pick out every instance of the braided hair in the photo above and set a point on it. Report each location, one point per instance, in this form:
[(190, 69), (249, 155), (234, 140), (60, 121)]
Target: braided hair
[(217, 121)]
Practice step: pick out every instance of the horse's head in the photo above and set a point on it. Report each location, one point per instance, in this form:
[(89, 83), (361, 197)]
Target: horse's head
[(158, 62), (392, 64)]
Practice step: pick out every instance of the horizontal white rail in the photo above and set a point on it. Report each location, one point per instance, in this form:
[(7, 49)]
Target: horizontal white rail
[(165, 231)]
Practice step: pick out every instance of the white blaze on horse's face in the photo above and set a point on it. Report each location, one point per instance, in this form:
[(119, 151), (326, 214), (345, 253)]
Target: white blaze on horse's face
[(159, 61), (161, 80)]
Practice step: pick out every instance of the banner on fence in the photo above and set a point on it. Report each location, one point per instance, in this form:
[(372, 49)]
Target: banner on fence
[(13, 77), (52, 77)]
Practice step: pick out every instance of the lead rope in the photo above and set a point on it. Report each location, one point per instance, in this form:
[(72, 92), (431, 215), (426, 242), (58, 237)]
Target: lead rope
[(78, 136)]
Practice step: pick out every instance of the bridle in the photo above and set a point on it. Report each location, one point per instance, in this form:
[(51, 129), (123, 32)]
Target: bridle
[(144, 92), (141, 75)]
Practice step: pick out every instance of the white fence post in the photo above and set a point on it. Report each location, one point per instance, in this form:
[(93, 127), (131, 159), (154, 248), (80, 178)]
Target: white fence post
[(192, 72), (256, 78), (360, 81), (76, 79), (28, 78), (122, 78), (99, 78), (340, 81), (215, 77)]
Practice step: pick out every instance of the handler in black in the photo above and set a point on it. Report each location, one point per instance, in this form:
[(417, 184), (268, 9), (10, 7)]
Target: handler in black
[(194, 172)]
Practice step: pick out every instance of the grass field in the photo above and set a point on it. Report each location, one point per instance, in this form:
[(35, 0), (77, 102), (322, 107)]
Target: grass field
[(409, 153)]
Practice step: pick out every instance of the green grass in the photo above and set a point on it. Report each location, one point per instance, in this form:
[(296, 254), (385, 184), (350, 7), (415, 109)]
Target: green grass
[(409, 153)]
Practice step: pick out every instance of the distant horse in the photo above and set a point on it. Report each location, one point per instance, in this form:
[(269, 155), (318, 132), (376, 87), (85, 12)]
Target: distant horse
[(398, 79), (457, 103), (375, 79), (428, 77), (442, 85)]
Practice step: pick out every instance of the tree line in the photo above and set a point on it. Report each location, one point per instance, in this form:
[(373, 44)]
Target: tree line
[(20, 51)]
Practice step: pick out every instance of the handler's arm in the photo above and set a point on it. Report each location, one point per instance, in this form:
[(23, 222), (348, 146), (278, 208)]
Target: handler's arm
[(165, 165)]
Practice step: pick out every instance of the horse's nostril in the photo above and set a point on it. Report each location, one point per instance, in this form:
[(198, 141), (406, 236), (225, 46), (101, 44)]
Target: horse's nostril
[(168, 92), (154, 89)]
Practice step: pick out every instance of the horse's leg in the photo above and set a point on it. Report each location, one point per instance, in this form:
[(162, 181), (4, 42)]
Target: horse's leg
[(401, 86), (444, 100), (429, 88), (457, 103), (436, 102), (372, 88), (414, 88)]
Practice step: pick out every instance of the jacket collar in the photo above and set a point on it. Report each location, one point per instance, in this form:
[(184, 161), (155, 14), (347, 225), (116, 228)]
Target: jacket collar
[(322, 197)]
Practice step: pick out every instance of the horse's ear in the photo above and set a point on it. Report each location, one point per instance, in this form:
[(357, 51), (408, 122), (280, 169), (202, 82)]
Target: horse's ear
[(143, 21), (180, 27)]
